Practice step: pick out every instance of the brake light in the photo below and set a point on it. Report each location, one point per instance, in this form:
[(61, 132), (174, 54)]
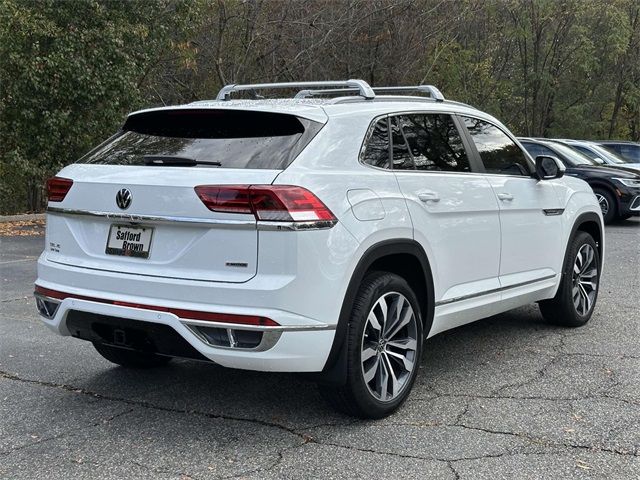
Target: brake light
[(271, 203), (57, 188)]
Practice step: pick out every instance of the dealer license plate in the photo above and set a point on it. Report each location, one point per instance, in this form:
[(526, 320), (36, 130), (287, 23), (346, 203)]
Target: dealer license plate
[(129, 241)]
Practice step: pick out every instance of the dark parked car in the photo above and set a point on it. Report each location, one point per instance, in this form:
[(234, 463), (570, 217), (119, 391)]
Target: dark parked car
[(627, 150), (602, 155), (617, 189)]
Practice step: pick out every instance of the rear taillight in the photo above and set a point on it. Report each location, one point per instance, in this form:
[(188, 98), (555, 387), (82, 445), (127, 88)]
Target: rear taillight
[(57, 188), (270, 203)]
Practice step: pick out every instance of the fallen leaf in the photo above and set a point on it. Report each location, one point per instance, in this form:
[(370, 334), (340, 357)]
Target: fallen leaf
[(582, 465)]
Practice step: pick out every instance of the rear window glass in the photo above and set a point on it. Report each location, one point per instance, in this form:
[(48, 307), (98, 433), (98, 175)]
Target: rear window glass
[(377, 150), (207, 138)]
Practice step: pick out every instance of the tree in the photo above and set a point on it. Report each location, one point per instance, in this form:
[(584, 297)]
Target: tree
[(69, 72)]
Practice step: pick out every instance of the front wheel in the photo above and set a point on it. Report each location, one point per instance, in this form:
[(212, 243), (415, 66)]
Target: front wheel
[(384, 343), (578, 291), (607, 204)]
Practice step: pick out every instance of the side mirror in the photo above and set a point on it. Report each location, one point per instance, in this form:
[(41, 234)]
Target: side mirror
[(599, 160), (549, 167)]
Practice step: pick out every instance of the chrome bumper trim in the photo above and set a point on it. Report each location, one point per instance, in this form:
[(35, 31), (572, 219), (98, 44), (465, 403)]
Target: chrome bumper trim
[(269, 339), (47, 306), (239, 326)]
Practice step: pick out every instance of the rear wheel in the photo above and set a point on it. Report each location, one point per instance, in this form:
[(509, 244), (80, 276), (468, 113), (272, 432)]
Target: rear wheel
[(576, 297), (607, 204), (130, 358), (384, 343)]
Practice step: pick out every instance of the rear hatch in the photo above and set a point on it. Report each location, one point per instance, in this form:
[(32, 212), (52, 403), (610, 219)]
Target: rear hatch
[(132, 206)]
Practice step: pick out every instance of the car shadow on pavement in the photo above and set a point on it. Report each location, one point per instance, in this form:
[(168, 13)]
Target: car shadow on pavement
[(627, 223), (294, 401)]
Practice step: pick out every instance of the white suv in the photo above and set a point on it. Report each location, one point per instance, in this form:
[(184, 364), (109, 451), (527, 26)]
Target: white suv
[(332, 232)]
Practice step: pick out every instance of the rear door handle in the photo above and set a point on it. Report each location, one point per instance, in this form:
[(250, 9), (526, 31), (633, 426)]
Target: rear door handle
[(505, 197), (428, 197)]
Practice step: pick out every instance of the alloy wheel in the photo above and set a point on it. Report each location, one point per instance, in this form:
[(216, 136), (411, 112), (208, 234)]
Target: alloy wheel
[(389, 346), (585, 279), (604, 203)]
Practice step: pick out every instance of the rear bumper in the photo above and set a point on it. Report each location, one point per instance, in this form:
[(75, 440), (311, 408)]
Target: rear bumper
[(301, 348), (300, 284)]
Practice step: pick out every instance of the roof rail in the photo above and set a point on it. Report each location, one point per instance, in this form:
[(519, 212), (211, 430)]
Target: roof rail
[(360, 86), (430, 89)]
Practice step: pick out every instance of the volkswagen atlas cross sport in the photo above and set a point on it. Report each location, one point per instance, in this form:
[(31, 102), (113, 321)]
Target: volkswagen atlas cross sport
[(331, 232)]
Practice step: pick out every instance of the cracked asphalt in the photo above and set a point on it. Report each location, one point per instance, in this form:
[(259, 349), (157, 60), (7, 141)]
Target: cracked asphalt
[(506, 397)]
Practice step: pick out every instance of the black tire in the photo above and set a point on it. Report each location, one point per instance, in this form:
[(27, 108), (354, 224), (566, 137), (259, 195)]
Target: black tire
[(562, 310), (356, 398), (605, 197), (130, 358)]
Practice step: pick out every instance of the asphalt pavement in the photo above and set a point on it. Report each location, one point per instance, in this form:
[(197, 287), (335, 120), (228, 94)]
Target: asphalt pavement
[(507, 397)]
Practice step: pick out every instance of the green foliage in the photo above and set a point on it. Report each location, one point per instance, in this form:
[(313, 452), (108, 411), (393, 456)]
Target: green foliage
[(71, 70), (69, 73)]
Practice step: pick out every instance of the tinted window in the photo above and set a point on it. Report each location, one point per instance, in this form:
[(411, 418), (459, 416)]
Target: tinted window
[(401, 157), (536, 149), (605, 154), (572, 156), (631, 152), (222, 138), (376, 152), (498, 152), (628, 151), (434, 142), (614, 148), (585, 151)]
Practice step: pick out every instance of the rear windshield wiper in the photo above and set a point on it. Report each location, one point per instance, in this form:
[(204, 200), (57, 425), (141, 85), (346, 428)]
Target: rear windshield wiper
[(171, 160)]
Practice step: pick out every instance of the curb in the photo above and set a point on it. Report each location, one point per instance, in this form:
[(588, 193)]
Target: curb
[(21, 218)]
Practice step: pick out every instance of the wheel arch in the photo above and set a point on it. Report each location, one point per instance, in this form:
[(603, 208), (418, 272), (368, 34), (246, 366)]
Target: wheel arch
[(404, 257), (590, 223)]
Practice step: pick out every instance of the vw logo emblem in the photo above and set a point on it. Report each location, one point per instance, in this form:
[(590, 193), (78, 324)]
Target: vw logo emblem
[(123, 198)]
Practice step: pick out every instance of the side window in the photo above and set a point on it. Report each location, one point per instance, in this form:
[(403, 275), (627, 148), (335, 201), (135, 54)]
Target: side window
[(434, 142), (585, 151), (401, 156), (535, 149), (498, 152), (629, 152), (376, 152)]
